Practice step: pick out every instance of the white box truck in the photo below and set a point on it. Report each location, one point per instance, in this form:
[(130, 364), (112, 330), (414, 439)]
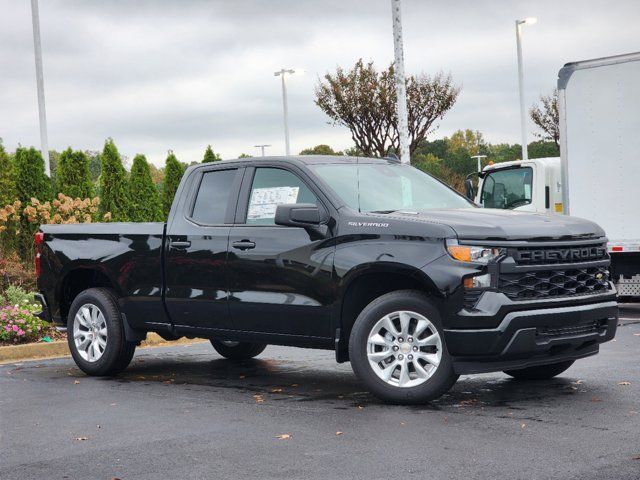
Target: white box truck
[(597, 176)]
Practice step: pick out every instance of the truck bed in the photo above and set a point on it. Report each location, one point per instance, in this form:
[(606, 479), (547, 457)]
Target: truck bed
[(127, 255)]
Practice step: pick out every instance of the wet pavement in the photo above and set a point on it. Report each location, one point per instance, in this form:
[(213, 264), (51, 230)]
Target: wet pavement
[(183, 412)]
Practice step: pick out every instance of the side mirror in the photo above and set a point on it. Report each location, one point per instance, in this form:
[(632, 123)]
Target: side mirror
[(298, 215), (304, 215), (468, 189)]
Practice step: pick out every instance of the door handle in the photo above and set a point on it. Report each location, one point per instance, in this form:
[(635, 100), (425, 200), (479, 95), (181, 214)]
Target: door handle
[(177, 244), (244, 245)]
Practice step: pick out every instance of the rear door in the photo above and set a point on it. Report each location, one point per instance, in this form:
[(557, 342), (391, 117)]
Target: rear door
[(279, 277), (196, 254)]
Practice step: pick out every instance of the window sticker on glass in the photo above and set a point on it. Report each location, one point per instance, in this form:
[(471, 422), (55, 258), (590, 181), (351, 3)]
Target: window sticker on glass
[(264, 201)]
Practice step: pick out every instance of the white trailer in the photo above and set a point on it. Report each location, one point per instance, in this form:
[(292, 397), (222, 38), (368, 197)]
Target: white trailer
[(597, 174), (599, 106)]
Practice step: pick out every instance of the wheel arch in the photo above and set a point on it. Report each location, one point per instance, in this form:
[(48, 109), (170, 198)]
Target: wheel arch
[(79, 279), (369, 282)]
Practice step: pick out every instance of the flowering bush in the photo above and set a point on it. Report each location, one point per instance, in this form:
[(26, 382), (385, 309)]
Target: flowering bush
[(18, 323)]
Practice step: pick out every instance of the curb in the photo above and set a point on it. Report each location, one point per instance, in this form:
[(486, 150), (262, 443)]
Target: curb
[(34, 351)]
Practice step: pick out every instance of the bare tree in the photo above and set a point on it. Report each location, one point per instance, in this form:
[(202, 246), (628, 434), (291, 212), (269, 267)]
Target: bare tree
[(364, 100), (545, 116)]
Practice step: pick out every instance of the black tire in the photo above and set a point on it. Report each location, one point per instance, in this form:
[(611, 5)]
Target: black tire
[(239, 351), (118, 352), (541, 372), (440, 381)]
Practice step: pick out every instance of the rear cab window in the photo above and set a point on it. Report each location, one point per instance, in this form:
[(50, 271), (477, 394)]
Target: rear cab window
[(213, 197)]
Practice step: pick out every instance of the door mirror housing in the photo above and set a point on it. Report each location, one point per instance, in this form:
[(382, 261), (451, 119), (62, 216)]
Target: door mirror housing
[(303, 215), (298, 215), (468, 189)]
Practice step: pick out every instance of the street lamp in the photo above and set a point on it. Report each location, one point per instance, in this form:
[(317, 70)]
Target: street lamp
[(479, 158), (42, 114), (282, 73), (523, 115), (262, 147)]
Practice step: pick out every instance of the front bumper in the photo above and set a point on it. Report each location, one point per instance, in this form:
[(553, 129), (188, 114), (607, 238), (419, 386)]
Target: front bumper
[(532, 337)]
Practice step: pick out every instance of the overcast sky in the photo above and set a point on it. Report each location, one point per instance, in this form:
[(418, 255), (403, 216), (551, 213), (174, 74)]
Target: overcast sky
[(159, 75)]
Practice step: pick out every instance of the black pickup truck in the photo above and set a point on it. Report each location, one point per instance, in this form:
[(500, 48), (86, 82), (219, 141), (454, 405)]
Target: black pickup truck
[(376, 260)]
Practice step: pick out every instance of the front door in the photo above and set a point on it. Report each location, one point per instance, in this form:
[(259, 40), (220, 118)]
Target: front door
[(196, 254), (279, 277)]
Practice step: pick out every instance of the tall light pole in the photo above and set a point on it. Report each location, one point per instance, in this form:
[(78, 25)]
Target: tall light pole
[(401, 89), (523, 113), (44, 143), (262, 147), (282, 73), (479, 158)]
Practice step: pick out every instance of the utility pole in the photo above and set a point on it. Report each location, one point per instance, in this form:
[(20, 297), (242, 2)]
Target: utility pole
[(262, 147), (44, 143), (523, 112), (401, 88)]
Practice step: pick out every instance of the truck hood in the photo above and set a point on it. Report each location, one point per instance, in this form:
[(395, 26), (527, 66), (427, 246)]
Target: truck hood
[(494, 224)]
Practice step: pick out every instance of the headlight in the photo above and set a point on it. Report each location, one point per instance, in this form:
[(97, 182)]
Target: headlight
[(470, 253)]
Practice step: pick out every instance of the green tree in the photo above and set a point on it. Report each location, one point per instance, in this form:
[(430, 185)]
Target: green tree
[(321, 149), (173, 172), (144, 204), (364, 100), (245, 155), (114, 195), (7, 179), (542, 149), (31, 181), (74, 176), (547, 118), (209, 156)]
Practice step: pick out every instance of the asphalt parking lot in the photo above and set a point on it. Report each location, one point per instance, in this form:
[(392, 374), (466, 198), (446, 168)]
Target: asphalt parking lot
[(183, 412)]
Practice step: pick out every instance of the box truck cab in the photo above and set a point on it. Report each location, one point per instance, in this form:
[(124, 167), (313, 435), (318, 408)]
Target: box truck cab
[(529, 186)]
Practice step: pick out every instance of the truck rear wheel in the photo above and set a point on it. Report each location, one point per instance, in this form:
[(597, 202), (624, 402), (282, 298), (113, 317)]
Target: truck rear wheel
[(95, 333), (541, 372), (237, 350), (397, 349)]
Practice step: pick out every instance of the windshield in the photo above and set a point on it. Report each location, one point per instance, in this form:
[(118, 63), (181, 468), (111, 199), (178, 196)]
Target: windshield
[(508, 188), (370, 187)]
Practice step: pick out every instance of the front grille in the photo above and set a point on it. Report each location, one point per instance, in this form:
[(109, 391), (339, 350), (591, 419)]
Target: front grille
[(555, 255), (554, 283)]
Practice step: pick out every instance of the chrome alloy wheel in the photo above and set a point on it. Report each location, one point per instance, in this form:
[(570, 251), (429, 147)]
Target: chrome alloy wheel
[(404, 349), (90, 332)]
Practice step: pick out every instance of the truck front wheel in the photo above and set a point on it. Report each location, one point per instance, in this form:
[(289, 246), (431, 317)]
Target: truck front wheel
[(397, 349), (95, 333), (541, 372), (237, 350)]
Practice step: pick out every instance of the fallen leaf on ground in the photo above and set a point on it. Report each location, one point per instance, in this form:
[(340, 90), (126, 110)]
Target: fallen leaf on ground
[(294, 385), (112, 404), (242, 376), (637, 457), (624, 383), (578, 382), (76, 382), (360, 407), (258, 398), (276, 390), (284, 436), (82, 439), (338, 433), (523, 426)]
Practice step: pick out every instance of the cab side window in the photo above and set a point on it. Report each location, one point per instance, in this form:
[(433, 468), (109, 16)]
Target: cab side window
[(213, 197), (272, 187)]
